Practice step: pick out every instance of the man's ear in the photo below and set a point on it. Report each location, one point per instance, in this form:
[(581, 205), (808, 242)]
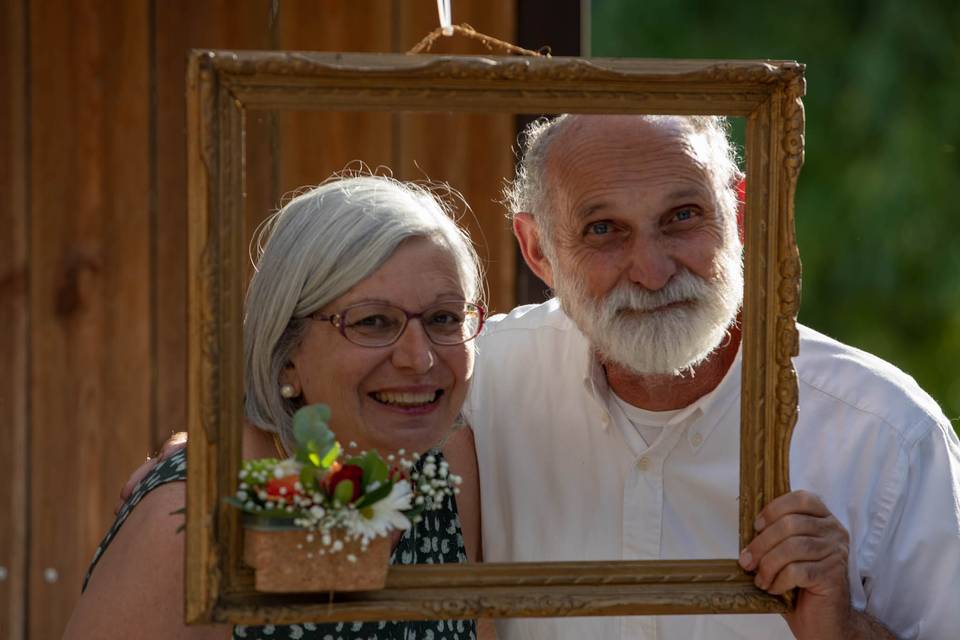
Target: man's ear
[(528, 236)]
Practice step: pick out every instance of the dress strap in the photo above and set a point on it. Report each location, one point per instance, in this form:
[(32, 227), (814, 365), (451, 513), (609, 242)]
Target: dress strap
[(457, 425)]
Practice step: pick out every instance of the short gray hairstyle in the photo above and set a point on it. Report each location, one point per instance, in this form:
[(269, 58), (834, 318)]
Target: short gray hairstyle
[(532, 192), (315, 249)]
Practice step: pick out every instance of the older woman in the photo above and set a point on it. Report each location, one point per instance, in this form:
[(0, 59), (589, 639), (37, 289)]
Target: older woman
[(365, 296)]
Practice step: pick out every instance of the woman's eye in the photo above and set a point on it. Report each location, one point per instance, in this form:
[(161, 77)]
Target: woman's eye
[(373, 321), (445, 318)]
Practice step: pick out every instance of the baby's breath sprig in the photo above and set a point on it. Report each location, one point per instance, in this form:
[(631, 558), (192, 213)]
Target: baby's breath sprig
[(341, 496)]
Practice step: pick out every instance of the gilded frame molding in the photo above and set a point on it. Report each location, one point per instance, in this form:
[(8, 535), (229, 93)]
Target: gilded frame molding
[(224, 85)]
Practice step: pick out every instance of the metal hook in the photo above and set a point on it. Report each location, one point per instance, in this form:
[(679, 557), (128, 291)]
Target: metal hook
[(446, 17)]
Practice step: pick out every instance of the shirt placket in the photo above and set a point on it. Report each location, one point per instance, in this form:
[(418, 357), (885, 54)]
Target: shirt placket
[(643, 518)]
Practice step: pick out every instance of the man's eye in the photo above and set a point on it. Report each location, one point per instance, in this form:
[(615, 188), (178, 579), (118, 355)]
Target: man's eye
[(599, 228), (682, 215)]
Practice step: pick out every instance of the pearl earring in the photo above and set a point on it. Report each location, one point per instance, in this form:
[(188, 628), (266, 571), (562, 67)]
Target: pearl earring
[(287, 391)]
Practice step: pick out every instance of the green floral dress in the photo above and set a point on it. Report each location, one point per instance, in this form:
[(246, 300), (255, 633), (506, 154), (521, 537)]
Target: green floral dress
[(435, 539)]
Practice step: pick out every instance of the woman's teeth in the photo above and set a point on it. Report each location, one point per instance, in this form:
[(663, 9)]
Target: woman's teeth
[(404, 399)]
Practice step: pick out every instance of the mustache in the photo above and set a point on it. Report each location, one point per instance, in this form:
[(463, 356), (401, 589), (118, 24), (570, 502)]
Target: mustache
[(684, 286)]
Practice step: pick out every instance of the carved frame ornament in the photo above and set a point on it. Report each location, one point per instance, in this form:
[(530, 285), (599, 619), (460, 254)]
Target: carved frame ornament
[(223, 86)]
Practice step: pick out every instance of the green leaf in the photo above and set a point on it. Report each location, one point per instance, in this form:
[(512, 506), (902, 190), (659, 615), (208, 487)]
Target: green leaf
[(343, 492), (315, 441), (331, 456), (316, 413), (375, 496), (266, 513), (308, 478), (374, 468), (236, 502)]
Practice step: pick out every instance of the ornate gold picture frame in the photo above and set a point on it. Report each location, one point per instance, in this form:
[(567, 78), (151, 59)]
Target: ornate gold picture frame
[(224, 86)]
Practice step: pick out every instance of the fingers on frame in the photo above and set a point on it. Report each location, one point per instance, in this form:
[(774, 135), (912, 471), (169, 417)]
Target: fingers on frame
[(785, 527), (799, 501), (801, 561)]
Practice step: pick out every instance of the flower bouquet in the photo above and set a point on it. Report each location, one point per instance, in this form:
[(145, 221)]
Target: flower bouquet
[(322, 519)]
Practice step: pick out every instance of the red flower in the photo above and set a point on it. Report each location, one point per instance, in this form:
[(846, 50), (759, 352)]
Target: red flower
[(347, 473), (282, 489)]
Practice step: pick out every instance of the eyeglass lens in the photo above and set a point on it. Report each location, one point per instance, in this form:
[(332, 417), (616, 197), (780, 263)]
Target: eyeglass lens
[(446, 323)]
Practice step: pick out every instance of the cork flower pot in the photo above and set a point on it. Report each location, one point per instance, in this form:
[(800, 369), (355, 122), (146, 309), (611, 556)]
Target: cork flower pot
[(285, 561)]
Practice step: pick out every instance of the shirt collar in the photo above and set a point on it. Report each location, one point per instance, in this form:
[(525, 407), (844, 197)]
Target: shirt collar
[(711, 406)]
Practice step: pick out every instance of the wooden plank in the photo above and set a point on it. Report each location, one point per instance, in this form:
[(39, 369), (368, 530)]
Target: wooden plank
[(89, 305), (181, 25), (14, 318), (557, 25), (470, 151), (312, 145)]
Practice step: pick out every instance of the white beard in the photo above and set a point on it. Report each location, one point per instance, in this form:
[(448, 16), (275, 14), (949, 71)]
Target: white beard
[(625, 328)]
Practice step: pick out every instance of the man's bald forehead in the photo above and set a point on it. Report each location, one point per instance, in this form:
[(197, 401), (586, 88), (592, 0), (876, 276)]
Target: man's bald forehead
[(613, 131), (594, 123)]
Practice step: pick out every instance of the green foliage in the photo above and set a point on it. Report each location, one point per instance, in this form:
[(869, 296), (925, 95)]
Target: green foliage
[(343, 492), (317, 446), (876, 221), (374, 468), (375, 496)]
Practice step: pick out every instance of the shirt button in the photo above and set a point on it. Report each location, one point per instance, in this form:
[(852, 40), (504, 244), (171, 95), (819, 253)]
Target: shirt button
[(643, 464), (697, 439), (605, 419)]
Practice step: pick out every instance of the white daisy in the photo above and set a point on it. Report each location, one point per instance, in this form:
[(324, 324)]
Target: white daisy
[(384, 515)]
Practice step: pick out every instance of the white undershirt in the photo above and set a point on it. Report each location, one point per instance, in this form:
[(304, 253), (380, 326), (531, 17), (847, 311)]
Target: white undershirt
[(648, 424)]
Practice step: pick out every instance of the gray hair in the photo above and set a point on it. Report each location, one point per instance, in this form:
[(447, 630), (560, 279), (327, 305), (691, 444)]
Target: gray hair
[(315, 249), (532, 192)]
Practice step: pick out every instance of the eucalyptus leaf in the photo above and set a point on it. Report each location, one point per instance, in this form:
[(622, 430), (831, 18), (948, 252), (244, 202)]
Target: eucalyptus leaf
[(314, 438)]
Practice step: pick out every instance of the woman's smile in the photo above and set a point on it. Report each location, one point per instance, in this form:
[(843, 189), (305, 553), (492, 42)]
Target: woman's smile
[(409, 401)]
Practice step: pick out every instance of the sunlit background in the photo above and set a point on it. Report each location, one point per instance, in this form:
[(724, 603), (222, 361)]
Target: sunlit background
[(878, 220)]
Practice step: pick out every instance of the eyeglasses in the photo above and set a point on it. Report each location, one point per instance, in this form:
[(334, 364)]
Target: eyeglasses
[(375, 324)]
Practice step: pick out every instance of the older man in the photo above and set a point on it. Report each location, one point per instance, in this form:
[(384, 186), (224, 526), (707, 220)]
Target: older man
[(607, 419)]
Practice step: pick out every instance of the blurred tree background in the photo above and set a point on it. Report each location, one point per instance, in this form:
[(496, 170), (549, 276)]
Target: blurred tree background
[(878, 222)]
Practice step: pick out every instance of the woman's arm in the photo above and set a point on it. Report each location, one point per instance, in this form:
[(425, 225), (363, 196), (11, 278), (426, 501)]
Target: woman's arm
[(136, 589), (461, 455)]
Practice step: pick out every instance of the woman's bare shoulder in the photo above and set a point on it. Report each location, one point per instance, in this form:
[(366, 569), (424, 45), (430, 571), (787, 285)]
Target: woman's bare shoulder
[(136, 589)]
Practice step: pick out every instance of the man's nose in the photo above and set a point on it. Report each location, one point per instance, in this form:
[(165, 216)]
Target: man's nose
[(651, 264), (413, 351)]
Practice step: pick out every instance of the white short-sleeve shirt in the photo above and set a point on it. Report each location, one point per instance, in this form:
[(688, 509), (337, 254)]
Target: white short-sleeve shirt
[(565, 475)]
